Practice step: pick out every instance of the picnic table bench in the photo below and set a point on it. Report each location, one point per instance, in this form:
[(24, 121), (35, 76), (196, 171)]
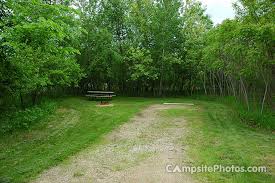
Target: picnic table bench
[(103, 96)]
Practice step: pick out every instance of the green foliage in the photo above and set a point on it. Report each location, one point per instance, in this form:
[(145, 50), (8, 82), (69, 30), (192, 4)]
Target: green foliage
[(136, 47), (257, 119), (24, 119), (238, 58), (140, 65), (140, 44), (40, 44), (253, 118)]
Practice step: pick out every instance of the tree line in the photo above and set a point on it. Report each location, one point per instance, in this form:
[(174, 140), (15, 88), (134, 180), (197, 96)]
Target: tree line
[(137, 48)]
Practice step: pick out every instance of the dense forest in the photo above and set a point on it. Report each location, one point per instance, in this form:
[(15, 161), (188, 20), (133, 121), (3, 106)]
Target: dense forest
[(135, 48)]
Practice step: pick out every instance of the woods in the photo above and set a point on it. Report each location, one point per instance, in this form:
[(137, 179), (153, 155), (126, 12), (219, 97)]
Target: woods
[(242, 54), (38, 44), (190, 90), (136, 48)]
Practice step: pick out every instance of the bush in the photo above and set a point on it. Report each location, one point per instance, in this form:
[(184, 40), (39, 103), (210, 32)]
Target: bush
[(24, 119), (253, 117)]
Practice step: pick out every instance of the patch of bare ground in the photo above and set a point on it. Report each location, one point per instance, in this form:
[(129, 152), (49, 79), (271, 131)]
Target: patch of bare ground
[(136, 152)]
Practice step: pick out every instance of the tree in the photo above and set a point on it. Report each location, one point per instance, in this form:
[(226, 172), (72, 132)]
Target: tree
[(239, 53), (196, 25), (42, 46)]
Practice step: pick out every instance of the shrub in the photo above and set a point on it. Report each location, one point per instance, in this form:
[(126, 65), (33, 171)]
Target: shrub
[(24, 119), (253, 117)]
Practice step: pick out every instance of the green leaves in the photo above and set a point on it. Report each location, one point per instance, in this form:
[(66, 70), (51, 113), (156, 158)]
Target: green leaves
[(24, 119), (243, 51), (43, 46), (163, 45), (144, 42), (141, 66)]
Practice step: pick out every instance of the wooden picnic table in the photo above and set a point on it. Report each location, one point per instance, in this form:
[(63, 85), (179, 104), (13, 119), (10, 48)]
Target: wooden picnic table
[(103, 96), (101, 92)]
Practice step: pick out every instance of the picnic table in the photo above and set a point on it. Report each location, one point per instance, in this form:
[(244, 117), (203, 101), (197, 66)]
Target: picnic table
[(103, 96)]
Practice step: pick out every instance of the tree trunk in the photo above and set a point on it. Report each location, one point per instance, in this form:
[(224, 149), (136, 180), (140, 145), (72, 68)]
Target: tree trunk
[(233, 87), (212, 80), (34, 95), (264, 97), (204, 84), (245, 93), (161, 74), (22, 101), (219, 80), (272, 94)]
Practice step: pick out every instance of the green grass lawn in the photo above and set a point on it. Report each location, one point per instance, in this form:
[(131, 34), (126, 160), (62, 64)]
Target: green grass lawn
[(216, 137), (76, 124)]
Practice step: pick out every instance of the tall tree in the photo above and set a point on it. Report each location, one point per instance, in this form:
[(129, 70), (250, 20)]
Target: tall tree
[(42, 42)]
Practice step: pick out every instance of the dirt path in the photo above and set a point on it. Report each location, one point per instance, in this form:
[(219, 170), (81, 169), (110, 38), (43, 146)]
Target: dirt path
[(137, 152)]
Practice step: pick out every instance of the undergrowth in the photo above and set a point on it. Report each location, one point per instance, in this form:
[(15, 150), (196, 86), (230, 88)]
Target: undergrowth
[(251, 117), (19, 119)]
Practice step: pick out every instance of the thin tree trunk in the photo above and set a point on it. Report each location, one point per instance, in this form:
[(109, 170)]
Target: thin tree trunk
[(264, 97), (233, 87), (245, 93), (227, 86), (161, 74), (220, 85), (34, 95), (213, 82), (272, 84), (204, 84), (22, 101)]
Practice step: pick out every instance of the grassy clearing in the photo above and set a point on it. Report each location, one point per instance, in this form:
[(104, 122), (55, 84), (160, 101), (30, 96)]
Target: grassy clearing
[(76, 124), (217, 136)]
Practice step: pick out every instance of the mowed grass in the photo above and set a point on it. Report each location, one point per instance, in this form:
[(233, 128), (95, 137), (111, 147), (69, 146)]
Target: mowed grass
[(215, 136), (76, 124), (218, 137)]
